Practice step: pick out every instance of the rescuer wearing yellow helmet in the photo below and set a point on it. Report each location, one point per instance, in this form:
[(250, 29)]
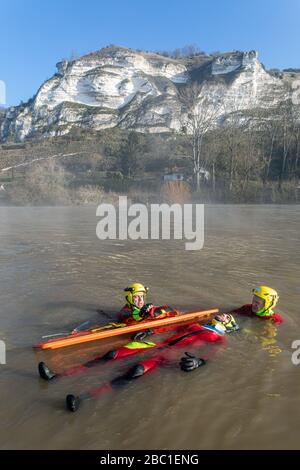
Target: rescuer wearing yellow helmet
[(264, 301), (135, 295), (136, 308)]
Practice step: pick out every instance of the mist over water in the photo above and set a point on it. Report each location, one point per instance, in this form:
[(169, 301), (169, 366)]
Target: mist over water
[(55, 274)]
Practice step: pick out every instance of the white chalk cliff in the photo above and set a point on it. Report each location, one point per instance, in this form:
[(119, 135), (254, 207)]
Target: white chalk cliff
[(138, 90)]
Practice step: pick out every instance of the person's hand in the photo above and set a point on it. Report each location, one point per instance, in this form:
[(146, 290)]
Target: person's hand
[(190, 362), (146, 310)]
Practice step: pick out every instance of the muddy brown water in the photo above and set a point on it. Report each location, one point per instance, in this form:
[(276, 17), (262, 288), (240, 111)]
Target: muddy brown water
[(55, 273)]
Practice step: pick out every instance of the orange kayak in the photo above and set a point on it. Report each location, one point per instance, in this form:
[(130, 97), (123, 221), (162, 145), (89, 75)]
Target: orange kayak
[(100, 333)]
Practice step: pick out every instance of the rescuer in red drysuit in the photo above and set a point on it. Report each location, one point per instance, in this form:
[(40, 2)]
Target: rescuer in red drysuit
[(136, 310), (264, 300), (212, 332)]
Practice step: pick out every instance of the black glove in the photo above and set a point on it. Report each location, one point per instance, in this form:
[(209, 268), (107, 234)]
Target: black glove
[(144, 313), (190, 362), (141, 335)]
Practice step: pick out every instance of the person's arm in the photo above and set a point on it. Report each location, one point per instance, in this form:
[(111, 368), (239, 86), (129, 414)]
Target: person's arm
[(125, 314), (134, 314), (243, 310), (150, 312), (154, 312)]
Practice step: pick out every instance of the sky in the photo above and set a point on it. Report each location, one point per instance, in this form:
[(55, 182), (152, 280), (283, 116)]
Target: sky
[(36, 34)]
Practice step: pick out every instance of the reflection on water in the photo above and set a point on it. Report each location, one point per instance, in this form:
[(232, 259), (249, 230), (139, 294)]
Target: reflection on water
[(55, 274), (268, 339)]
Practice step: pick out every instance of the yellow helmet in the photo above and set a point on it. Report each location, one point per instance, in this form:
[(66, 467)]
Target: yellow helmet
[(218, 325), (132, 290), (269, 295), (229, 324)]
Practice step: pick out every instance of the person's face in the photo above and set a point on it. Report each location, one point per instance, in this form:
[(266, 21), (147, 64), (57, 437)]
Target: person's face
[(257, 304), (138, 300)]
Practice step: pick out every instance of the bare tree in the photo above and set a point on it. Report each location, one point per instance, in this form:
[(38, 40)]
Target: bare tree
[(268, 130), (295, 153), (288, 125), (234, 126), (240, 138), (201, 110), (297, 148), (249, 162)]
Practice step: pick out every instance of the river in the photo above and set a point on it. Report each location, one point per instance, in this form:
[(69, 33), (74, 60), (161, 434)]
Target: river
[(55, 273)]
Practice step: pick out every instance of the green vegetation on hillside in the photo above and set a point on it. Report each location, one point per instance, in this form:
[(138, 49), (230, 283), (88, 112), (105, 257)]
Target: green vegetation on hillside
[(244, 163)]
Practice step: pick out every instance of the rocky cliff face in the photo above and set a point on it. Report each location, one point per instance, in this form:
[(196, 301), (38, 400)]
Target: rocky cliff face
[(138, 90)]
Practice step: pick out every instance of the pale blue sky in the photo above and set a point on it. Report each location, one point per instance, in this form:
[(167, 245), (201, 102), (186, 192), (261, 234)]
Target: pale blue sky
[(35, 34)]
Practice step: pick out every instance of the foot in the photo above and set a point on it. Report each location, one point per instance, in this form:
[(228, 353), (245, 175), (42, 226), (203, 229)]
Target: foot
[(72, 402), (110, 355), (45, 372), (136, 371)]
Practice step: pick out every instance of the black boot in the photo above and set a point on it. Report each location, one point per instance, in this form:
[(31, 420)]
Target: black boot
[(72, 402), (45, 372), (110, 355), (136, 371)]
